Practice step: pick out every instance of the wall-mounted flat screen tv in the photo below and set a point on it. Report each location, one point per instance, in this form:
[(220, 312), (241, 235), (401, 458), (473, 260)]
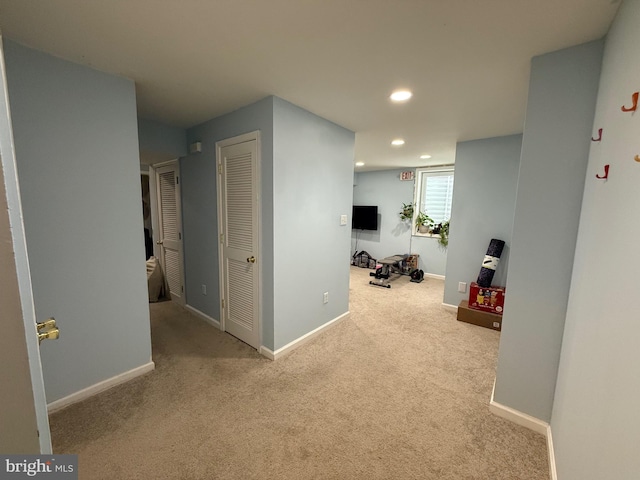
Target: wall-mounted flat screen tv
[(364, 217)]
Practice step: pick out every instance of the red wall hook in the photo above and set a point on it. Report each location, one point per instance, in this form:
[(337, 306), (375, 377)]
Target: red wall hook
[(599, 136), (606, 173), (633, 107)]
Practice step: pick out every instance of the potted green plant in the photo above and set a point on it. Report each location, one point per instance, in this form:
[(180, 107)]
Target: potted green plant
[(423, 222), (444, 234), (407, 211)]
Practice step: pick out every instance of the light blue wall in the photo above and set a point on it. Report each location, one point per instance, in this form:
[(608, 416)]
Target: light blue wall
[(312, 187), (483, 204), (596, 420), (385, 190), (200, 214), (76, 143), (562, 95), (158, 138)]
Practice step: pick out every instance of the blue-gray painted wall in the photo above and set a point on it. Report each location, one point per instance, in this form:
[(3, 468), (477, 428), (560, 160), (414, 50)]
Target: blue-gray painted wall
[(555, 148), (596, 420), (484, 195), (76, 143), (158, 138), (312, 187), (307, 175), (200, 210), (385, 190)]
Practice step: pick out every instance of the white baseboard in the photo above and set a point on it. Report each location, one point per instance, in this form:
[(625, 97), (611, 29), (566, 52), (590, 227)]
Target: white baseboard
[(552, 455), (266, 352), (288, 348), (449, 307), (532, 423), (204, 316), (100, 387), (434, 275), (522, 419)]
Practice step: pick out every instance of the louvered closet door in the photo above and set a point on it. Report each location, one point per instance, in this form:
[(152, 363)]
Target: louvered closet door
[(170, 237), (239, 226)]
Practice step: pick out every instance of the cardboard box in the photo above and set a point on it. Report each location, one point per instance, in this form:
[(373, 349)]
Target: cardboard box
[(486, 299), (412, 261), (476, 317)]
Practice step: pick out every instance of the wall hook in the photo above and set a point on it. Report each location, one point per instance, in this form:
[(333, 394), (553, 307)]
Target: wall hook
[(633, 107), (599, 136), (637, 158), (606, 173)]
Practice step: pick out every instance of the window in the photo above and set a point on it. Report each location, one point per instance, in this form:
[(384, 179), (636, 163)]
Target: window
[(433, 194)]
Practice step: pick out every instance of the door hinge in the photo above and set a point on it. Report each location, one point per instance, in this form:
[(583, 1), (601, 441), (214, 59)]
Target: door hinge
[(179, 236), (223, 303), (177, 180), (220, 169), (182, 289), (222, 238)]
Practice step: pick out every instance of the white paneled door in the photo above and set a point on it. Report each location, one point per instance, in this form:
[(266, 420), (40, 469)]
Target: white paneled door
[(239, 218), (169, 240)]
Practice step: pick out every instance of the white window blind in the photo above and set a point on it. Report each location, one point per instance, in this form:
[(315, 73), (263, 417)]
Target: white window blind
[(434, 192)]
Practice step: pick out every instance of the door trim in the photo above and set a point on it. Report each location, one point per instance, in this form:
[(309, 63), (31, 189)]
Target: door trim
[(155, 222), (246, 137), (11, 189)]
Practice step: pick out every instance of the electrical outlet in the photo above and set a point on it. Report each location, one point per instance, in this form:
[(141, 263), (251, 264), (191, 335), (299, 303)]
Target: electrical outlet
[(462, 287), (325, 297), (343, 219), (204, 289)]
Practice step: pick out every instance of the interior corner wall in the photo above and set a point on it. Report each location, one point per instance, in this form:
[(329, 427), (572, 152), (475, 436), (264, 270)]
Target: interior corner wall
[(555, 147), (200, 209), (76, 144), (159, 139), (312, 188), (385, 190), (484, 195), (596, 421)]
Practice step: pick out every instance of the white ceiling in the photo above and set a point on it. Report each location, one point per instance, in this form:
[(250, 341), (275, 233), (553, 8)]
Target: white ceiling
[(467, 61)]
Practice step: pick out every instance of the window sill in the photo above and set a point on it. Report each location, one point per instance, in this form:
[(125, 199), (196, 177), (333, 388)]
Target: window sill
[(426, 235)]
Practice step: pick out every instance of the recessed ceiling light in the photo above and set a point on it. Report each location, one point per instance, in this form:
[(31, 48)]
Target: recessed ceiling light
[(397, 142), (401, 95), (424, 157), (359, 164)]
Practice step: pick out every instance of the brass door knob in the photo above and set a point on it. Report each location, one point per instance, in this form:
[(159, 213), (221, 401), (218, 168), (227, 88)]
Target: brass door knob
[(47, 324), (52, 334), (48, 330), (251, 259)]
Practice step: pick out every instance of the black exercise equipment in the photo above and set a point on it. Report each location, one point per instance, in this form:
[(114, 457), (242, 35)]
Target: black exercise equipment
[(490, 262), (388, 266)]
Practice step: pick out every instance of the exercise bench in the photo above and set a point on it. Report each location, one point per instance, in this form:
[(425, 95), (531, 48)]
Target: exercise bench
[(388, 266)]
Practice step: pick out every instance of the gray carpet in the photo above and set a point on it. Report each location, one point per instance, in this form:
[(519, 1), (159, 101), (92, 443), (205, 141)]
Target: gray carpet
[(399, 390)]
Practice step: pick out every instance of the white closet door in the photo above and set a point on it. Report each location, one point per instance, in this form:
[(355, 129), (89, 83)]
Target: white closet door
[(239, 227), (170, 235)]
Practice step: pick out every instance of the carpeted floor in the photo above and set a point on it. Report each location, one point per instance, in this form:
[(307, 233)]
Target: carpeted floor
[(399, 390)]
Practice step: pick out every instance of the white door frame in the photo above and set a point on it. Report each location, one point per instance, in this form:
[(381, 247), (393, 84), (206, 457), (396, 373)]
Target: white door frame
[(155, 220), (255, 135)]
